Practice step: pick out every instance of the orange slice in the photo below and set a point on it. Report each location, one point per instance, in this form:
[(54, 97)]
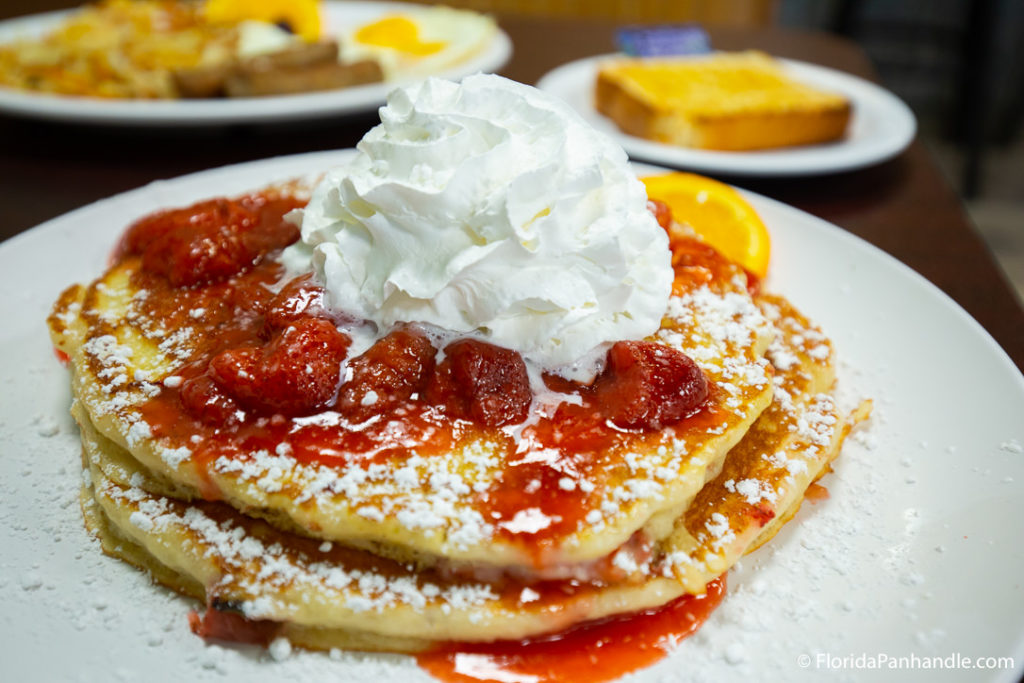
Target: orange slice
[(718, 214), (301, 16)]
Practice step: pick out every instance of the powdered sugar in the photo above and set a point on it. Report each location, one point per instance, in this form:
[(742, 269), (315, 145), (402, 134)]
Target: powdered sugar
[(752, 490)]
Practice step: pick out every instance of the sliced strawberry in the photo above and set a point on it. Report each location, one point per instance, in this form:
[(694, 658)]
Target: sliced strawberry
[(301, 297), (646, 385), (387, 374), (233, 627), (236, 371), (296, 373), (246, 298), (210, 241), (481, 382), (206, 401)]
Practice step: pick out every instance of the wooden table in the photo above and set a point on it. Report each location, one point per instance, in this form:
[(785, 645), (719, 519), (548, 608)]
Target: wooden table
[(903, 206)]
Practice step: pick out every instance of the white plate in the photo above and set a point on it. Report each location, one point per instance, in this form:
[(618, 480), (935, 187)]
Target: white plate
[(916, 553), (881, 126), (224, 111)]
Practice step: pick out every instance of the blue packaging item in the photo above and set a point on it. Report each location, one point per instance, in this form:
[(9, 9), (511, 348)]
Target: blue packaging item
[(663, 40)]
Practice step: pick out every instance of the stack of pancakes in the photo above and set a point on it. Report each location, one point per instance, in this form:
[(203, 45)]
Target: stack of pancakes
[(405, 549)]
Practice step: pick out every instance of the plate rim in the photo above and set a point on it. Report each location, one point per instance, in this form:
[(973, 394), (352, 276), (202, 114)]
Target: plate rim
[(769, 163)]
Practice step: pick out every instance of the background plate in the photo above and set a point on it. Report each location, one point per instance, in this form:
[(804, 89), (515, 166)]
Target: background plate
[(881, 126), (916, 553), (242, 110)]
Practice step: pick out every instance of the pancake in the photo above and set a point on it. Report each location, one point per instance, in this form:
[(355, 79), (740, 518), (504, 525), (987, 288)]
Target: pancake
[(419, 485), (766, 475), (253, 568), (324, 595)]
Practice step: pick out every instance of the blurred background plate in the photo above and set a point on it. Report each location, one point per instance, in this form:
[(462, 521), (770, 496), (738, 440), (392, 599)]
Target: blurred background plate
[(881, 127), (223, 111)]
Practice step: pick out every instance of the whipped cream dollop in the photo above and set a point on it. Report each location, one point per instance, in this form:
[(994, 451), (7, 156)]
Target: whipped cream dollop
[(489, 208)]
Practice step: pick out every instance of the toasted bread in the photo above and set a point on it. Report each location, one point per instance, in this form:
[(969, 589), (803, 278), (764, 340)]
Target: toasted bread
[(737, 101)]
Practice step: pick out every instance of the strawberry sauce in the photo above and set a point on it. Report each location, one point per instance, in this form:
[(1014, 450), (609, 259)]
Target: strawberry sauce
[(589, 653)]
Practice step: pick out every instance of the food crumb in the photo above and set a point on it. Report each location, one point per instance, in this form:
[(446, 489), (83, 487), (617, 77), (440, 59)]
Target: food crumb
[(280, 649), (45, 425), (1012, 446), (31, 581), (735, 654)]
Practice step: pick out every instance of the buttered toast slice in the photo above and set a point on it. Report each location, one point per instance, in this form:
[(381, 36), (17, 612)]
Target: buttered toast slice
[(725, 101)]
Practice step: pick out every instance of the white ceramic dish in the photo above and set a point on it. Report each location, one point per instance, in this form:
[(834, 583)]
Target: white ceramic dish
[(229, 111), (916, 553), (881, 127)]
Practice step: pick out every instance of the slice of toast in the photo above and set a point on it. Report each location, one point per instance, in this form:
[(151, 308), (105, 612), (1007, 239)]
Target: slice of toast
[(725, 101)]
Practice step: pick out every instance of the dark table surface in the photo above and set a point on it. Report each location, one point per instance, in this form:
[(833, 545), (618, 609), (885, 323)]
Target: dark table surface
[(904, 206)]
